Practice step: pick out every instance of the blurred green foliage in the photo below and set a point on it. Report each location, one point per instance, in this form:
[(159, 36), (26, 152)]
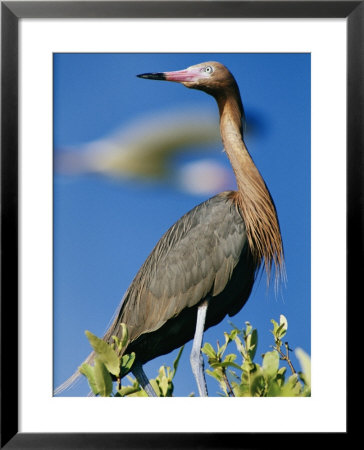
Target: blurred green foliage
[(236, 372)]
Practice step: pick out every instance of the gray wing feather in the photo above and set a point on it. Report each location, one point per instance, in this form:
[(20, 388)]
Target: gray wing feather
[(194, 258)]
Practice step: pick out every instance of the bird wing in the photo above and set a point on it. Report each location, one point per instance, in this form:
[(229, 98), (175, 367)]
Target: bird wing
[(193, 259)]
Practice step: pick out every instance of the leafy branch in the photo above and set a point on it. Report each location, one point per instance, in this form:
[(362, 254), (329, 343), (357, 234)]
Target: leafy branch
[(105, 376), (250, 379), (235, 369), (279, 332)]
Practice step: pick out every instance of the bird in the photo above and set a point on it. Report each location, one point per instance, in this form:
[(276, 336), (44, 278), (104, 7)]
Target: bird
[(204, 267)]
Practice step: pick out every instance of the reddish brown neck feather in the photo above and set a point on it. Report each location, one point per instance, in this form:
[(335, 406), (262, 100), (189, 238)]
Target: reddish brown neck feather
[(252, 197)]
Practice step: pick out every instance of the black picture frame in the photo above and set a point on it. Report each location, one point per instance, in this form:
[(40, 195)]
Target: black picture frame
[(11, 13)]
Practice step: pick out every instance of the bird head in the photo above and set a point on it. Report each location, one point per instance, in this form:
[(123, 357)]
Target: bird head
[(211, 77)]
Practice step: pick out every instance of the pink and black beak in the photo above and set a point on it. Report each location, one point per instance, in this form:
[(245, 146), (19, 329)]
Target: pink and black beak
[(180, 76), (153, 76)]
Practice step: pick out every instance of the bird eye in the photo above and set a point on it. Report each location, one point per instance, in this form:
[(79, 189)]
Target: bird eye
[(208, 69)]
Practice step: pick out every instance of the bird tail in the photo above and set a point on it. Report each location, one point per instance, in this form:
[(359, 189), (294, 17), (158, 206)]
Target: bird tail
[(72, 380)]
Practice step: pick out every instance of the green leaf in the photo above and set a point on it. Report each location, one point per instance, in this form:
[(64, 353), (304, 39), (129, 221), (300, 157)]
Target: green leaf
[(116, 345), (164, 385), (283, 321), (155, 386), (105, 353), (102, 378), (292, 388), (231, 357), (242, 391), (270, 363), (240, 347), (126, 363), (281, 331), (281, 376), (257, 386), (124, 335), (176, 361), (305, 362), (225, 365), (222, 349), (248, 366), (127, 390), (274, 389), (248, 329), (233, 334), (215, 375), (130, 361), (88, 371), (275, 327), (253, 344), (209, 351), (161, 373)]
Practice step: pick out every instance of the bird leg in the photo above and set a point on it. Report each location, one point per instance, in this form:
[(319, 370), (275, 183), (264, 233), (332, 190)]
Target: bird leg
[(140, 375), (196, 357)]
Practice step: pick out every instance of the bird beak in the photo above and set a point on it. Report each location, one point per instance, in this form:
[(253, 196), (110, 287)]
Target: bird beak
[(179, 76)]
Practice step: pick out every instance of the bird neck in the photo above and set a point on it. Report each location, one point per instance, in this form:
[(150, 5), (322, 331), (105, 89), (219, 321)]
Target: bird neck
[(252, 197)]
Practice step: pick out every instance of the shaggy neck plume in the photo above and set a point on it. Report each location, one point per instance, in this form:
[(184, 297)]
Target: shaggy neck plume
[(253, 198)]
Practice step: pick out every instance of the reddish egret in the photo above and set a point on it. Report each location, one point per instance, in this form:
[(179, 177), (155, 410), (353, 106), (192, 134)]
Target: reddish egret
[(205, 265)]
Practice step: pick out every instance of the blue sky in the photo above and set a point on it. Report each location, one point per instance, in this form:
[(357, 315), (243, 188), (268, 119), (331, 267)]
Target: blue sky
[(105, 227)]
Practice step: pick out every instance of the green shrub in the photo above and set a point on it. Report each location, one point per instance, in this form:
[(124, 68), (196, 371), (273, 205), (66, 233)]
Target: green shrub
[(237, 373), (250, 379)]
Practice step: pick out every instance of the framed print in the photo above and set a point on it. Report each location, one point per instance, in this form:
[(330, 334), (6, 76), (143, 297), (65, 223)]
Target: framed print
[(87, 192)]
